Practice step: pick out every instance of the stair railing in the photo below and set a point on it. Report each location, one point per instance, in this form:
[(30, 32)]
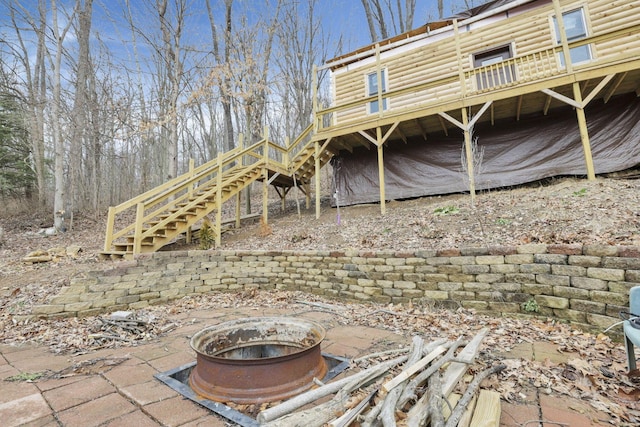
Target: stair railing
[(203, 183)]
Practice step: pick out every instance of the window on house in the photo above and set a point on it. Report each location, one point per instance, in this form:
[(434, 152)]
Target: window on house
[(372, 90), (575, 26), (496, 72)]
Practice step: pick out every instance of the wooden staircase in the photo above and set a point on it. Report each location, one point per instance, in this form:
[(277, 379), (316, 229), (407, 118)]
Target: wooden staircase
[(173, 208)]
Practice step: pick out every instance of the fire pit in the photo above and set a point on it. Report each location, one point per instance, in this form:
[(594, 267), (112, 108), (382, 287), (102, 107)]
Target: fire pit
[(257, 360)]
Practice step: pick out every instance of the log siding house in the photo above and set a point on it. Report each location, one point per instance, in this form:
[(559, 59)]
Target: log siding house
[(492, 66)]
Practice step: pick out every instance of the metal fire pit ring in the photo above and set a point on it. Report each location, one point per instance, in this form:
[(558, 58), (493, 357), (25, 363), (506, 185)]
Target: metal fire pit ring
[(257, 360)]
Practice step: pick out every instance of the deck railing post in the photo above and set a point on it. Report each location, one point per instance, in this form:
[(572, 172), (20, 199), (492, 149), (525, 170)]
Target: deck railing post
[(563, 37), (379, 81), (314, 97), (463, 83), (111, 219), (192, 186), (239, 193), (137, 236), (265, 182), (219, 203)]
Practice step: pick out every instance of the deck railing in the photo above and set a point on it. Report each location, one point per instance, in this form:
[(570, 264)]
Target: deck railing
[(519, 70)]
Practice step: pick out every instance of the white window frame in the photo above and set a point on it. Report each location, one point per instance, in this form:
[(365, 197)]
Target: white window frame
[(385, 85), (558, 37)]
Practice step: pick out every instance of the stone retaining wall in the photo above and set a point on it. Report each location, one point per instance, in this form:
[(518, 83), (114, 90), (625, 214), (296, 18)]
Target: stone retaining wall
[(584, 285)]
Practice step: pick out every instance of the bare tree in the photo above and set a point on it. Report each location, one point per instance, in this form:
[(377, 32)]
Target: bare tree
[(82, 105), (221, 72), (59, 35), (171, 65), (301, 44), (383, 14)]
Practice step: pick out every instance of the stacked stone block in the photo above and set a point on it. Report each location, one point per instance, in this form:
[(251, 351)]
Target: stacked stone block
[(584, 285)]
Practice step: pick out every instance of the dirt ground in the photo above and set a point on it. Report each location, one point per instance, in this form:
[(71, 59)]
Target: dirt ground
[(562, 210)]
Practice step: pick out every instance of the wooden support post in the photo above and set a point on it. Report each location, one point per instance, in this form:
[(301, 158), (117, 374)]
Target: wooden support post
[(239, 193), (469, 154), (218, 224), (265, 196), (111, 219), (265, 180), (192, 166), (137, 236), (584, 133), (383, 207), (317, 177)]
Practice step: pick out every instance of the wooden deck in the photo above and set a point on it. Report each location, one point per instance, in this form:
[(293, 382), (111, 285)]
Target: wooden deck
[(456, 96)]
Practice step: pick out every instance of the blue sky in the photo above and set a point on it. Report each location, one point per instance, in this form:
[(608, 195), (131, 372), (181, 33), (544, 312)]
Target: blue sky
[(343, 18)]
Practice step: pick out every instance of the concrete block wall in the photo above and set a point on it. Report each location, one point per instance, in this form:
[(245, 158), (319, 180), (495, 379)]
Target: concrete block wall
[(585, 285)]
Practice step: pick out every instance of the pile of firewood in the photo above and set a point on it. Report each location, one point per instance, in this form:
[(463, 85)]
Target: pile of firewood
[(413, 389)]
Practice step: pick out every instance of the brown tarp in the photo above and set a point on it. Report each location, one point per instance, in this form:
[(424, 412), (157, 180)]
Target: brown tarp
[(515, 152)]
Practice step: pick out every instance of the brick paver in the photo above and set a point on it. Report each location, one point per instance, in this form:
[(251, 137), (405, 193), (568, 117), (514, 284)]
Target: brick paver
[(10, 390), (175, 411), (516, 415), (570, 412), (133, 419), (135, 373), (127, 394), (148, 392), (96, 412), (24, 410), (77, 393)]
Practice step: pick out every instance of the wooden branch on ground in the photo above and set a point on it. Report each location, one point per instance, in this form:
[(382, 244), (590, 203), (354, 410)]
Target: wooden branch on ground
[(385, 409), (435, 400), (411, 370), (354, 394), (312, 395), (350, 416), (452, 375), (381, 354), (409, 392)]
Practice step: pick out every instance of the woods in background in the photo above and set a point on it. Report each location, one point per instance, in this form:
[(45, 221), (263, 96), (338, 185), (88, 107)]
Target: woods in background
[(97, 106)]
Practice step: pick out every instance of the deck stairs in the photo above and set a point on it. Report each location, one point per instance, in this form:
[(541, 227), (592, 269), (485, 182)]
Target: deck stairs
[(152, 220)]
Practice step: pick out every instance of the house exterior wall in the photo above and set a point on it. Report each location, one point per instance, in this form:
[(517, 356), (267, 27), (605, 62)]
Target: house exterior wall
[(434, 58)]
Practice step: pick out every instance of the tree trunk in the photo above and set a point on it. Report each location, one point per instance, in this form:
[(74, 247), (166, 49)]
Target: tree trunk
[(80, 112), (58, 139)]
